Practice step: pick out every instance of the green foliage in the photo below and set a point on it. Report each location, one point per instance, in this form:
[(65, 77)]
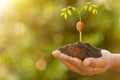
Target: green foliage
[(90, 7), (65, 12)]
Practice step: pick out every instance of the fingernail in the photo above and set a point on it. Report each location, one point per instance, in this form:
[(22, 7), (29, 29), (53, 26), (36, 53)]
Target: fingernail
[(86, 63), (62, 56), (55, 53)]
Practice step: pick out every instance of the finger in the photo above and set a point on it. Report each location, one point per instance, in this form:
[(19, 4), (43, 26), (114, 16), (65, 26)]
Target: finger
[(56, 53), (92, 71), (86, 62), (99, 70), (107, 57), (78, 64), (89, 62), (105, 52), (75, 64), (64, 58), (93, 62), (73, 61), (98, 62), (67, 61)]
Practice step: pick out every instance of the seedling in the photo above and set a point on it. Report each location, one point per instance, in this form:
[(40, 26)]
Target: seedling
[(79, 49), (68, 11)]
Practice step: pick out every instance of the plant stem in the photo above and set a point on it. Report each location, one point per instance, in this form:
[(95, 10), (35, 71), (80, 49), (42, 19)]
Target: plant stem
[(80, 16), (79, 10), (79, 13), (80, 32), (80, 36)]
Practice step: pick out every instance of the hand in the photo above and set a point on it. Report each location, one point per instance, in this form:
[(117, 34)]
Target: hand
[(88, 66)]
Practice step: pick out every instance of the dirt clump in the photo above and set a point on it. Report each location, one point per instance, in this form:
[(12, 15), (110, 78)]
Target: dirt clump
[(81, 50)]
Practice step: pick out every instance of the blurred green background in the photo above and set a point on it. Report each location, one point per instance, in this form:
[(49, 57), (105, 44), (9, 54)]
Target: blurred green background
[(31, 29)]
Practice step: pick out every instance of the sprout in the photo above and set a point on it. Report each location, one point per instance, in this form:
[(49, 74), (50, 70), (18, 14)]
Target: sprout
[(68, 11)]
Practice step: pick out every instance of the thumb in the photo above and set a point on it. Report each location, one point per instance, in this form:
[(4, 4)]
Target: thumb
[(92, 62)]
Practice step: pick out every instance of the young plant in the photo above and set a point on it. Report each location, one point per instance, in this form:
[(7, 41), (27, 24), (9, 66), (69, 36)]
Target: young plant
[(68, 11)]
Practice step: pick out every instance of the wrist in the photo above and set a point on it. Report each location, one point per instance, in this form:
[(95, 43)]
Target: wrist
[(107, 59), (112, 62)]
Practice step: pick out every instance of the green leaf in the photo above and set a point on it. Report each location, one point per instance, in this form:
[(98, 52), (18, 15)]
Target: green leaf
[(65, 16), (90, 8), (62, 13), (74, 9), (85, 7), (64, 9), (94, 5), (95, 11), (69, 12)]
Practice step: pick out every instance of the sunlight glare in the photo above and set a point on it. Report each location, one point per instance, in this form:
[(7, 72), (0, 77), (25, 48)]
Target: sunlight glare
[(5, 3)]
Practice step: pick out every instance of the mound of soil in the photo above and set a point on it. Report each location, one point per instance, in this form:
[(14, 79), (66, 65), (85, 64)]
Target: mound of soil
[(80, 50)]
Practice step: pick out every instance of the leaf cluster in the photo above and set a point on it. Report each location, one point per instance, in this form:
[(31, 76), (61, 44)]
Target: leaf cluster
[(90, 7), (65, 12)]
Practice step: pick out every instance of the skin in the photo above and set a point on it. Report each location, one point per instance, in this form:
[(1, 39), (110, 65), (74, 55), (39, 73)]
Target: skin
[(90, 66)]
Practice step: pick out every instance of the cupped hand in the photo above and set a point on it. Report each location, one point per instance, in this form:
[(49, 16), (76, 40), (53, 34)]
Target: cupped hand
[(88, 66)]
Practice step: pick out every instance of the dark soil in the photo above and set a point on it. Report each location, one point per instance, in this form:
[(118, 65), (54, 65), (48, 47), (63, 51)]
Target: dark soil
[(81, 50)]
